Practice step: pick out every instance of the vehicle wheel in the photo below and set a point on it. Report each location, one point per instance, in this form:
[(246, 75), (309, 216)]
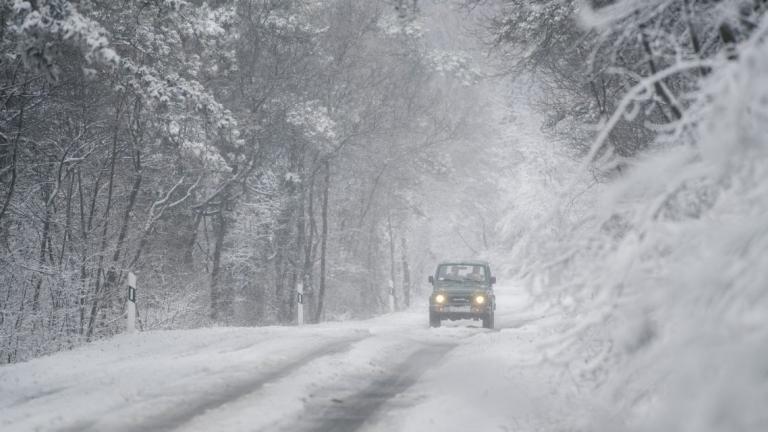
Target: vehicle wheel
[(434, 321), (488, 321)]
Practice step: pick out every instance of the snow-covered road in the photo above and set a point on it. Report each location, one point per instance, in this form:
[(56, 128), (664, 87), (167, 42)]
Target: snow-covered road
[(389, 373)]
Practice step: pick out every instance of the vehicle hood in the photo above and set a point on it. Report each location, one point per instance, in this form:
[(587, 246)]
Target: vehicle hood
[(463, 286)]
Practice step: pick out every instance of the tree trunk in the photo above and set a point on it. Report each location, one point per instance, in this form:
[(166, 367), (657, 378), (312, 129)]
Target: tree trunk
[(188, 253), (43, 247), (372, 299), (113, 279), (306, 274), (728, 36), (14, 158), (323, 243), (105, 230), (406, 273), (392, 268), (219, 302), (67, 218), (695, 41), (281, 243), (83, 251), (128, 211), (298, 252), (658, 85), (12, 185)]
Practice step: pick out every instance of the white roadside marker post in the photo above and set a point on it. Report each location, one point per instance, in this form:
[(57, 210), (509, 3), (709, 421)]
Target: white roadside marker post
[(391, 296), (131, 318), (300, 303)]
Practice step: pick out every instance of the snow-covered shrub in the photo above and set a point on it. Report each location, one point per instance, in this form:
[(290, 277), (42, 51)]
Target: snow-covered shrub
[(693, 309), (663, 283)]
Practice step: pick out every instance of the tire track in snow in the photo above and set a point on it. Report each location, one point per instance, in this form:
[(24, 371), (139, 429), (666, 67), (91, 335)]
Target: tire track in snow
[(176, 419), (352, 412)]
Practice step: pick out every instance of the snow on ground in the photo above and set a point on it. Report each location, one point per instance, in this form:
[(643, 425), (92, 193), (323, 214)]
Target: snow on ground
[(134, 377), (388, 373), (495, 381)]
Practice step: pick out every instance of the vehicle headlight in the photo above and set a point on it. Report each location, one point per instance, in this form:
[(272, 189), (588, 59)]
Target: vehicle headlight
[(439, 298), (480, 299)]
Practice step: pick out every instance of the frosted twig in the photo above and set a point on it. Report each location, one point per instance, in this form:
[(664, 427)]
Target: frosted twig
[(644, 85)]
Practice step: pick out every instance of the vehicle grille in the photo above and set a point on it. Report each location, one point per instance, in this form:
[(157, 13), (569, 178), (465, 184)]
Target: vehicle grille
[(460, 300)]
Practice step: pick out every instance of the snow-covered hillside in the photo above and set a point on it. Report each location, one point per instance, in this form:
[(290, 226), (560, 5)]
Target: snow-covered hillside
[(661, 272)]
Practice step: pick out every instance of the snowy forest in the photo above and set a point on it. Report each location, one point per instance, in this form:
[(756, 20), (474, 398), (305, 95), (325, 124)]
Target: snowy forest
[(223, 151), (608, 155)]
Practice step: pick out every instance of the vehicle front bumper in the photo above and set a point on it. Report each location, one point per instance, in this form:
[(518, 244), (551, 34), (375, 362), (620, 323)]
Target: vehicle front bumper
[(454, 312)]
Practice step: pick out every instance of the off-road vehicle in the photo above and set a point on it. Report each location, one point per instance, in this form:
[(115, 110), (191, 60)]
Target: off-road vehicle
[(462, 290)]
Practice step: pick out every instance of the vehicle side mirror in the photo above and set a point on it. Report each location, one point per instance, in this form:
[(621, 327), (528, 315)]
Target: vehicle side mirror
[(431, 279), (493, 280)]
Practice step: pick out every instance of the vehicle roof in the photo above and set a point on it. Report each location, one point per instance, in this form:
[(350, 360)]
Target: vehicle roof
[(467, 262)]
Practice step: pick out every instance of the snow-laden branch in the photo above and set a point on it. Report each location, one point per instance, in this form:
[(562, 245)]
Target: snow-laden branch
[(161, 204), (153, 217), (186, 196), (592, 17), (645, 85)]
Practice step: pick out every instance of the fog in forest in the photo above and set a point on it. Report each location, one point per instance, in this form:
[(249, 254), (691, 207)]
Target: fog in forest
[(293, 171)]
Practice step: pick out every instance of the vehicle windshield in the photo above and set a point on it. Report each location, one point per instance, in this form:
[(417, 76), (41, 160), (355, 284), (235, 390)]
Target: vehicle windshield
[(461, 273)]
